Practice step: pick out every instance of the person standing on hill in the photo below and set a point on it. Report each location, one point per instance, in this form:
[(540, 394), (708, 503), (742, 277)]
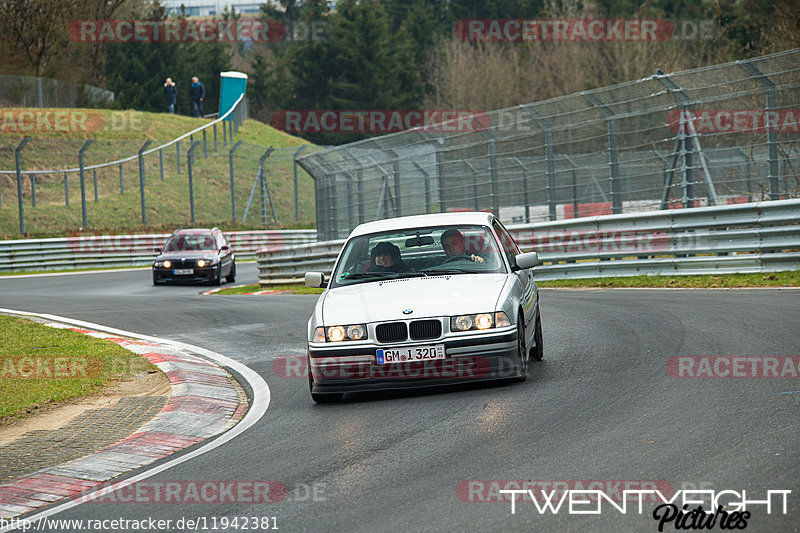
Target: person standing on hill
[(170, 95), (198, 93)]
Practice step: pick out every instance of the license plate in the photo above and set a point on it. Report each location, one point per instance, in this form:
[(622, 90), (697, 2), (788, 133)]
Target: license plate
[(410, 353), (183, 271)]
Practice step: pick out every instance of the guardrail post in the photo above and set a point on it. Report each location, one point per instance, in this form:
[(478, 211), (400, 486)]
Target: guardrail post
[(178, 155), (772, 134), (205, 145), (121, 180), (189, 164), (296, 198), (160, 164), (230, 168), (95, 185), (66, 190), (83, 181), (32, 178), (141, 182), (613, 150)]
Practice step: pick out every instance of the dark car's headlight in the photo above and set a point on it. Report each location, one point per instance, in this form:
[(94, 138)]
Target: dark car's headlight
[(479, 321), (206, 262), (159, 264), (353, 332)]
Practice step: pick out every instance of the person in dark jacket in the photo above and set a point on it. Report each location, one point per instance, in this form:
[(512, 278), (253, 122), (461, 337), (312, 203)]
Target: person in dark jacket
[(198, 94), (170, 95), (385, 257)]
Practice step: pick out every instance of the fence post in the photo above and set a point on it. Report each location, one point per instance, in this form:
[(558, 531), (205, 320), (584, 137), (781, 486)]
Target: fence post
[(141, 181), (224, 134), (215, 139), (121, 180), (178, 155), (95, 185), (66, 190), (160, 164), (613, 150), (476, 206), (32, 178), (83, 181), (574, 172), (296, 200), (772, 134), (525, 198), (205, 145), (426, 177), (493, 173), (440, 176), (230, 167), (189, 164), (265, 188), (550, 160), (19, 184)]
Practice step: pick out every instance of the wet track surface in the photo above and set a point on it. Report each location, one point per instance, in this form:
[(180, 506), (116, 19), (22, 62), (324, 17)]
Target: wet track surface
[(600, 406)]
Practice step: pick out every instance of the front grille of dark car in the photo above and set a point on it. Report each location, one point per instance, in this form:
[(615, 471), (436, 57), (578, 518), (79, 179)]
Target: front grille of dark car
[(425, 329), (391, 332)]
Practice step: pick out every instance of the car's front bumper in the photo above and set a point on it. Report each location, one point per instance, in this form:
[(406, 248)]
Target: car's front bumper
[(468, 359), (198, 275)]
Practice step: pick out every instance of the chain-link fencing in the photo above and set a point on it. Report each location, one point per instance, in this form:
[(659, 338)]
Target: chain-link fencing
[(717, 135), (31, 91)]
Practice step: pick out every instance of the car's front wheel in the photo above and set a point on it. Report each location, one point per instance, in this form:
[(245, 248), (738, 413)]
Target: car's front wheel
[(230, 278), (537, 352), (522, 352)]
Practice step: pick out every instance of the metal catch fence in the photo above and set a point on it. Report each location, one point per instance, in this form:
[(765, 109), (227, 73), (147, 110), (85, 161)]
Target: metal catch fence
[(717, 135)]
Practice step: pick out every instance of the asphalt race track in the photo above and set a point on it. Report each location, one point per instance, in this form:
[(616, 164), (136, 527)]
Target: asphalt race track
[(601, 406)]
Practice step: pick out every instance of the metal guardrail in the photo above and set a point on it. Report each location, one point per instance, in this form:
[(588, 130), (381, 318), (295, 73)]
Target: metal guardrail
[(103, 251), (745, 238)]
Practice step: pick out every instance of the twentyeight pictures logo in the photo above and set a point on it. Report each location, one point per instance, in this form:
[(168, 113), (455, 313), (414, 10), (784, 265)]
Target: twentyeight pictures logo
[(581, 30)]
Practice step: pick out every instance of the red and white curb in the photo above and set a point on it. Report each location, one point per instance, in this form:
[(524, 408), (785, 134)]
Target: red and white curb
[(256, 293), (203, 403)]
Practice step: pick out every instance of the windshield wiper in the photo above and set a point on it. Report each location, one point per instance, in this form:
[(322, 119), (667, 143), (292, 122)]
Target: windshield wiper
[(450, 271), (362, 275)]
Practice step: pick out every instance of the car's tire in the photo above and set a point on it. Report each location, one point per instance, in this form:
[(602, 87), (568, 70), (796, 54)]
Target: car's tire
[(329, 397), (522, 352), (216, 280), (155, 280), (537, 352), (230, 278)]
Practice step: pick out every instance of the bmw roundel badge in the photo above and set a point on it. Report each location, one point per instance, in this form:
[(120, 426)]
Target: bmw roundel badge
[(407, 311)]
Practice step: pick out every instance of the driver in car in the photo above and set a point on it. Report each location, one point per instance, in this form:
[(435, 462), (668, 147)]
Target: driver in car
[(454, 246)]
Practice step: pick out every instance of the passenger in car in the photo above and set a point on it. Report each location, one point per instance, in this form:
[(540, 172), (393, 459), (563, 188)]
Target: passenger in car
[(454, 246), (385, 257)]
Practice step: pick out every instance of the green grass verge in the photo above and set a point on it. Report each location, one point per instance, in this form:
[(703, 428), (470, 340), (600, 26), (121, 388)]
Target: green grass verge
[(773, 279), (167, 201), (296, 288), (41, 365)]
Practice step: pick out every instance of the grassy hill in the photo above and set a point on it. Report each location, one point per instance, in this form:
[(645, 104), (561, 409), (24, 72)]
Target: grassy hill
[(119, 134)]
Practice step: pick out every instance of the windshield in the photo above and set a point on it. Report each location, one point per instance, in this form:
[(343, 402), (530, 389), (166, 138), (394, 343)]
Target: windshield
[(418, 252), (190, 243)]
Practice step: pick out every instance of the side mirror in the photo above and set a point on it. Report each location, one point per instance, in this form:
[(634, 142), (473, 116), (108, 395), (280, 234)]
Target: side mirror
[(225, 248), (158, 250), (315, 279), (527, 260)]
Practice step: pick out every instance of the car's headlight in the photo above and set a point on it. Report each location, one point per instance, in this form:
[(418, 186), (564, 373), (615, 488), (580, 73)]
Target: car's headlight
[(479, 321), (167, 264), (205, 262), (353, 332)]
